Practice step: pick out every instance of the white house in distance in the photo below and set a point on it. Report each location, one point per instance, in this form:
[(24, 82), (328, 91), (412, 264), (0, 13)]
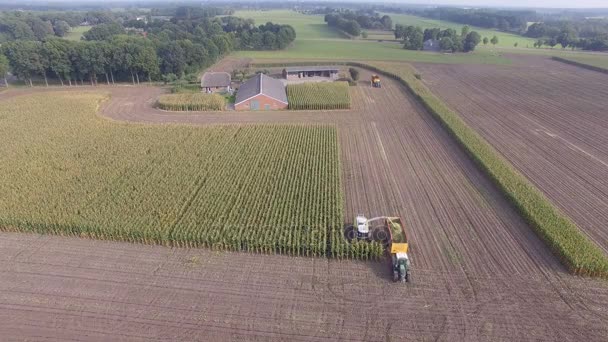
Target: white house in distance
[(216, 82)]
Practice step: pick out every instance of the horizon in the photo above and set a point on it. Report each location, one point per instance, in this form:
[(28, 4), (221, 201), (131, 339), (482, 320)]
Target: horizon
[(515, 4)]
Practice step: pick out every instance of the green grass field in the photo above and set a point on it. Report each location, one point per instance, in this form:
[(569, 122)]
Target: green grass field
[(264, 188), (368, 50), (77, 32), (504, 39), (316, 40), (306, 26)]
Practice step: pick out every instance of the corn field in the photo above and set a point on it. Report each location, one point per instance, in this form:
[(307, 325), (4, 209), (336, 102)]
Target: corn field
[(258, 188), (191, 102), (318, 96)]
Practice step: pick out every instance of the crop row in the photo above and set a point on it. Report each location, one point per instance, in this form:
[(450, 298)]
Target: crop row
[(566, 241), (318, 96), (260, 188), (191, 102)]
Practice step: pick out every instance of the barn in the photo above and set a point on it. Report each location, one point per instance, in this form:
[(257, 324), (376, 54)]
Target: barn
[(213, 82), (313, 72), (431, 45), (261, 92)]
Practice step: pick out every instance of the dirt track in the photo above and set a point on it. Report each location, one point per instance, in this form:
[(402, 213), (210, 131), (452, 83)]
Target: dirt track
[(549, 119), (479, 271)]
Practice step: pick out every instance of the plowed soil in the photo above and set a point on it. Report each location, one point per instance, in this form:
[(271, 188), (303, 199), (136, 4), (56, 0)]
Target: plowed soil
[(549, 119), (479, 271)]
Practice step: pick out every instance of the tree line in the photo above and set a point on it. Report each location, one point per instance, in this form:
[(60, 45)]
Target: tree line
[(352, 22), (138, 49), (586, 34), (40, 25), (413, 38), (504, 20)]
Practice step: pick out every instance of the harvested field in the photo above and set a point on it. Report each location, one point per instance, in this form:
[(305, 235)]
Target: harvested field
[(548, 119), (480, 273), (57, 288)]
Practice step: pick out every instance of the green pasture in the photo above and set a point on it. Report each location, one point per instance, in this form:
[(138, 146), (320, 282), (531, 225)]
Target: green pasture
[(306, 26), (77, 32), (504, 39)]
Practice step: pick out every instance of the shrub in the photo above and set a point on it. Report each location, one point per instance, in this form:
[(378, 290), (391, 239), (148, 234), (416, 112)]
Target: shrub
[(354, 74)]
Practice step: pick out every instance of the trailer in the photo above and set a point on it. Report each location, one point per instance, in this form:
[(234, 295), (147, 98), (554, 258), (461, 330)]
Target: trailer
[(375, 82), (398, 248), (391, 232)]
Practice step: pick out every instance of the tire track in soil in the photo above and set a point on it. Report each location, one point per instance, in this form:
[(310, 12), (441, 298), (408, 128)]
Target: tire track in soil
[(479, 271)]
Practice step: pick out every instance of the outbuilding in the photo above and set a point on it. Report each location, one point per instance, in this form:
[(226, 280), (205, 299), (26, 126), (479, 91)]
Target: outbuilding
[(431, 45), (213, 82), (316, 72), (261, 92)]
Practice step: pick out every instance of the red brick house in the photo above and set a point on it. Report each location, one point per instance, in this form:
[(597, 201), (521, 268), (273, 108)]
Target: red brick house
[(261, 92)]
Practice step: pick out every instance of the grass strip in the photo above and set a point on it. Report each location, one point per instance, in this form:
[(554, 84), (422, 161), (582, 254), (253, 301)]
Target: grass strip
[(579, 64)]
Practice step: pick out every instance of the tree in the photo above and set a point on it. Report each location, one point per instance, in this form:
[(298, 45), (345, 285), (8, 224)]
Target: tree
[(432, 33), (25, 59), (387, 22), (465, 31), (354, 74), (172, 58), (103, 31), (413, 38), (470, 41), (40, 28), (58, 52), (4, 67), (494, 40), (61, 28), (566, 37), (446, 44), (364, 34), (485, 40)]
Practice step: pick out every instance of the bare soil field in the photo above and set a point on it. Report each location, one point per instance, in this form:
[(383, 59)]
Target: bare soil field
[(548, 119), (66, 289), (479, 272)]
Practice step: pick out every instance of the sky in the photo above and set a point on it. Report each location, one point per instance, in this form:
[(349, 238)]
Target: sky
[(521, 3)]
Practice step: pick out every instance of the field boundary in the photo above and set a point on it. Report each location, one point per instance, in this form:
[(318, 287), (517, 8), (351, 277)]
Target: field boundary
[(581, 65), (575, 250)]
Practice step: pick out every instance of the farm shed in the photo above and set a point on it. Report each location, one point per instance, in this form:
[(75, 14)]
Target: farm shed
[(326, 72), (431, 45), (213, 82), (261, 93)]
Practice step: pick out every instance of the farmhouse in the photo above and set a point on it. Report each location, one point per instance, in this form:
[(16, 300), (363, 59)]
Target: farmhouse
[(431, 45), (261, 93), (213, 82), (318, 72)]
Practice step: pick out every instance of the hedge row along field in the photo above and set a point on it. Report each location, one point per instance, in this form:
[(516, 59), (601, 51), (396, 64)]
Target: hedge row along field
[(191, 102), (318, 96), (575, 250), (580, 64), (259, 188)]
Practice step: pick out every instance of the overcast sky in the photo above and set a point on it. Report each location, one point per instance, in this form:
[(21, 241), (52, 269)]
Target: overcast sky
[(523, 3)]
